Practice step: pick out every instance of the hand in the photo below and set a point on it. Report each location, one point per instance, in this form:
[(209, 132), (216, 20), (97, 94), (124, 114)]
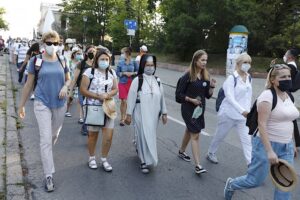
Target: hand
[(128, 119), (213, 83), (21, 112), (196, 102), (103, 96), (245, 113), (164, 118), (273, 159), (63, 92)]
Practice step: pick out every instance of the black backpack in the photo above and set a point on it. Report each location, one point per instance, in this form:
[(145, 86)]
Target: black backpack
[(177, 91), (82, 69), (252, 116), (140, 83)]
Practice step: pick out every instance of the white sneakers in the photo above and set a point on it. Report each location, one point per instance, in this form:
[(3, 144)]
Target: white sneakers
[(93, 164)]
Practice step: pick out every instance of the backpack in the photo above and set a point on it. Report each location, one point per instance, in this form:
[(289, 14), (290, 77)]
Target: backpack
[(252, 116), (177, 91), (38, 68), (82, 65), (221, 93), (140, 83)]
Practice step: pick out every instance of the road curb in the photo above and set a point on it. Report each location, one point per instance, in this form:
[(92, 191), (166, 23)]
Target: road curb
[(14, 185)]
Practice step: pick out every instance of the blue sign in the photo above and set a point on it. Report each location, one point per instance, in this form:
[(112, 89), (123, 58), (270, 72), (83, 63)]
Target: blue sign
[(130, 24)]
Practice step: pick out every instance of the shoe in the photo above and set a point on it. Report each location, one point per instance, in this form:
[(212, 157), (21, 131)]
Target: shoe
[(106, 166), (80, 121), (184, 156), (200, 170), (122, 123), (92, 163), (68, 114), (49, 185), (212, 158), (144, 169), (228, 192), (32, 97)]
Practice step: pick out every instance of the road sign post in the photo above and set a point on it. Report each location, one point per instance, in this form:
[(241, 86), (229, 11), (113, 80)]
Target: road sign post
[(131, 26)]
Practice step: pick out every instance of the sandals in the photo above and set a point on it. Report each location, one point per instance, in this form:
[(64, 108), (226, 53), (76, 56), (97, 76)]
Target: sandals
[(122, 122), (106, 166)]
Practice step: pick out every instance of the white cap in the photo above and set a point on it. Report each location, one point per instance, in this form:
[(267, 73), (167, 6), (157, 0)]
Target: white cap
[(74, 49), (144, 48), (69, 41)]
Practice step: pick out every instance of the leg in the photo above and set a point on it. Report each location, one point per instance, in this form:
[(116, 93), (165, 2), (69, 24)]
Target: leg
[(185, 141), (92, 141), (123, 109), (57, 122), (245, 138), (195, 147), (43, 116), (107, 134), (223, 127)]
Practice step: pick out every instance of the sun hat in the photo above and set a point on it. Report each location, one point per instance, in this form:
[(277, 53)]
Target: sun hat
[(283, 176), (109, 108)]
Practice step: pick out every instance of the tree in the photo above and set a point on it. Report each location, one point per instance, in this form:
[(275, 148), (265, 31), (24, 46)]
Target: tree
[(3, 24)]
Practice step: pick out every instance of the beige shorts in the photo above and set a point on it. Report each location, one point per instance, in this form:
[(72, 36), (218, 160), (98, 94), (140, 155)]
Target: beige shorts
[(109, 123)]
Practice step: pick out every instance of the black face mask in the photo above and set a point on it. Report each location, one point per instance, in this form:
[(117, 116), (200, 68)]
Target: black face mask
[(91, 55), (285, 85)]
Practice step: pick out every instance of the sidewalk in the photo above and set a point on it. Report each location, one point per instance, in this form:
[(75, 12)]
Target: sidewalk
[(12, 186)]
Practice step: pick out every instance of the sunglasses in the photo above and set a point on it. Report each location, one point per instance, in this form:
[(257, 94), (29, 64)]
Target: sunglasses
[(51, 43)]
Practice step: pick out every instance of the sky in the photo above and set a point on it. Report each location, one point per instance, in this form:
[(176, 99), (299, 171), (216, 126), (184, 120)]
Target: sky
[(22, 16)]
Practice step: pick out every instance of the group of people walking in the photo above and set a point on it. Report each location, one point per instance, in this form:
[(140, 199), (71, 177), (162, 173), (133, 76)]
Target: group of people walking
[(143, 104)]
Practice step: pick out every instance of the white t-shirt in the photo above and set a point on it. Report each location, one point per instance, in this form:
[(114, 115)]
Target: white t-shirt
[(98, 84), (280, 126)]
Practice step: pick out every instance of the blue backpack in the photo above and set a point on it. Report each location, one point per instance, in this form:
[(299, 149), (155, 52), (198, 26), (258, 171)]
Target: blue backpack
[(221, 94)]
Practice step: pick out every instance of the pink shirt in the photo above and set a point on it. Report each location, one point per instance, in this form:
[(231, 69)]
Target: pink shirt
[(280, 126)]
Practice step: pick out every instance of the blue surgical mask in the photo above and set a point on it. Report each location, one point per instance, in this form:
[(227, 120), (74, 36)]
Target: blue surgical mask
[(79, 57), (103, 64)]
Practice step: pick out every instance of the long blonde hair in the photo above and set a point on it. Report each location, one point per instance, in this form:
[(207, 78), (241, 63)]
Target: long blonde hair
[(193, 70), (274, 71)]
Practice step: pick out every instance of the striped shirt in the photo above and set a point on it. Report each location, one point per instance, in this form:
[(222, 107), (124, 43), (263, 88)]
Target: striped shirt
[(21, 52)]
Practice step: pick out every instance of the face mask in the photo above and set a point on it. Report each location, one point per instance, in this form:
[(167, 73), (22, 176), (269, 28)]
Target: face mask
[(245, 67), (103, 64), (149, 70), (51, 49), (90, 55), (284, 59), (285, 85), (70, 45), (79, 57)]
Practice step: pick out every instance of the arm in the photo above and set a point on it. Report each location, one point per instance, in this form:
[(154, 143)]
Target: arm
[(183, 86), (114, 89), (264, 111), (163, 105), (25, 94), (119, 71)]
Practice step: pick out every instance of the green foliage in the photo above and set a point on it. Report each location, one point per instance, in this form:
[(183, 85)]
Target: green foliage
[(3, 24)]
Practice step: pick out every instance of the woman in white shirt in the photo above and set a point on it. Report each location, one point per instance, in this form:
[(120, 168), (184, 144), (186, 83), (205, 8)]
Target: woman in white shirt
[(93, 88), (275, 137), (234, 109)]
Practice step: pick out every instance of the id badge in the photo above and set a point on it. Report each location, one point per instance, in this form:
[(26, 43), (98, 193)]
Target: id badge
[(38, 62)]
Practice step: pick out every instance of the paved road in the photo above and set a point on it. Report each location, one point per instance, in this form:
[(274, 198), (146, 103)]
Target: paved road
[(172, 179)]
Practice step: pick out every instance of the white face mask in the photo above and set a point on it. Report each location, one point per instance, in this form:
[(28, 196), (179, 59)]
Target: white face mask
[(149, 70), (284, 59), (51, 49), (245, 67)]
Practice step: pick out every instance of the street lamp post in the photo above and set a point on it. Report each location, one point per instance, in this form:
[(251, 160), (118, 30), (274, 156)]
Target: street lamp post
[(84, 27)]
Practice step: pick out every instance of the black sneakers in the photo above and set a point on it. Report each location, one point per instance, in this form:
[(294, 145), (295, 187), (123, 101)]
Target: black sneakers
[(200, 170), (49, 185), (184, 156)]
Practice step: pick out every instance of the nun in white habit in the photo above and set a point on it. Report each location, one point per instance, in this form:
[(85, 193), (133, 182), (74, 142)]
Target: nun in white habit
[(145, 106)]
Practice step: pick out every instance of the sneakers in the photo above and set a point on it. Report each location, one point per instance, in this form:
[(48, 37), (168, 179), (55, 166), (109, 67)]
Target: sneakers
[(144, 169), (200, 170), (212, 158), (68, 114), (228, 192), (32, 97), (92, 163), (80, 121), (106, 166), (49, 185), (184, 156)]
